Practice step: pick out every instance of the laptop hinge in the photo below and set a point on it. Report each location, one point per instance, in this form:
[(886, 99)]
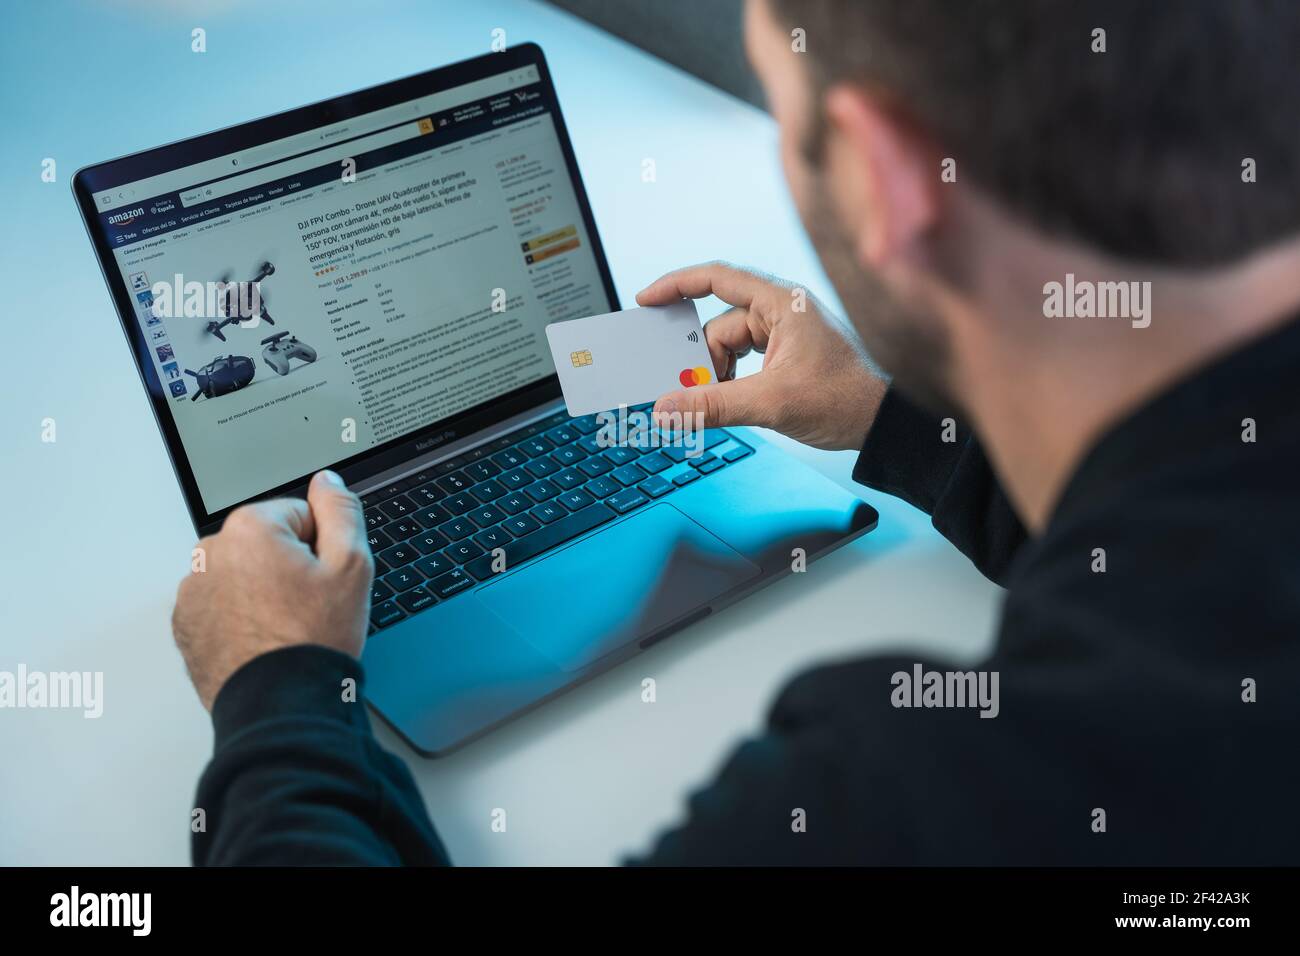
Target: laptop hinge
[(458, 447)]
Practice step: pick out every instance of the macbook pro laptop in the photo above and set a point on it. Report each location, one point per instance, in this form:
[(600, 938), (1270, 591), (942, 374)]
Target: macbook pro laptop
[(364, 284)]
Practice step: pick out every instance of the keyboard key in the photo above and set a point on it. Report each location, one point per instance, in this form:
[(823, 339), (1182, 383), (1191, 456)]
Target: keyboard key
[(602, 487), (595, 466), (454, 483), (586, 424), (541, 467), (382, 615), (427, 542), (515, 479), (641, 439), (568, 479), (737, 453), (429, 494), (458, 528), (629, 475), (486, 516), (563, 435), (510, 458), (417, 599), (677, 453), (375, 519), (559, 418), (551, 511), (453, 582), (626, 500), (590, 444), (381, 566), (576, 500), (520, 525), (655, 486), (709, 467), (398, 555), (460, 503), (403, 579), (654, 462), (555, 533), (482, 470), (397, 507), (379, 541), (537, 447), (488, 491), (450, 465), (542, 490), (463, 551), (392, 489), (433, 516), (400, 530), (434, 565), (513, 504), (704, 459), (493, 538), (568, 456), (379, 592), (714, 436), (621, 455), (686, 477)]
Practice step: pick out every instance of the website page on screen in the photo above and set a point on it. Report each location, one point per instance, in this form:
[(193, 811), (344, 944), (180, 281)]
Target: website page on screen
[(356, 283)]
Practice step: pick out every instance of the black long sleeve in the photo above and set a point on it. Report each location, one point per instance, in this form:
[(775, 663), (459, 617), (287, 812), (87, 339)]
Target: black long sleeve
[(297, 777), (905, 455)]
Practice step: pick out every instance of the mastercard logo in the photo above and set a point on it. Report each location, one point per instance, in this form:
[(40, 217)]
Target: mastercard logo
[(695, 376)]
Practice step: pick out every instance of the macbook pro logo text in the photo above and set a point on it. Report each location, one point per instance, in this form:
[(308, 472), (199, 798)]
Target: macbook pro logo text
[(433, 442), (125, 218)]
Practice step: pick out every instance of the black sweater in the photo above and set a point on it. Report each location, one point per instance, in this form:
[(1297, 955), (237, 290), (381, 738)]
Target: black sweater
[(1120, 691)]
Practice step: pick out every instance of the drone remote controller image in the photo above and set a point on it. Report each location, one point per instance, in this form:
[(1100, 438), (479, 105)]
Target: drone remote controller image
[(279, 350), (231, 298), (223, 375)]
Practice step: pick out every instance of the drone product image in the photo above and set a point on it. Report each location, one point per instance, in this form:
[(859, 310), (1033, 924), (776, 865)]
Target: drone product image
[(280, 350), (223, 375), (230, 302)]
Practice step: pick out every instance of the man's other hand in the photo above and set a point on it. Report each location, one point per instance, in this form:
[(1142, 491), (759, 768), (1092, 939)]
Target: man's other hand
[(815, 386), (278, 573)]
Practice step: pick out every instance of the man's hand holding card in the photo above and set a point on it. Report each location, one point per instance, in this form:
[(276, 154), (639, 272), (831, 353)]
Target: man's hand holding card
[(629, 357), (816, 385)]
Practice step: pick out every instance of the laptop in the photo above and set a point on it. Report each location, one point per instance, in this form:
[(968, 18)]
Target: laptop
[(364, 284)]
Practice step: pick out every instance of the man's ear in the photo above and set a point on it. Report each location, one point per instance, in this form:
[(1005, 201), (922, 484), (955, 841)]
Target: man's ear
[(883, 174)]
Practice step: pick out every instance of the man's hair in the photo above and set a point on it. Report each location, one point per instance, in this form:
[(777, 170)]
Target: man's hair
[(1139, 150)]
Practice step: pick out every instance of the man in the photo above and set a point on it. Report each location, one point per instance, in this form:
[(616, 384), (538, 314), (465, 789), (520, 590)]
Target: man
[(979, 178)]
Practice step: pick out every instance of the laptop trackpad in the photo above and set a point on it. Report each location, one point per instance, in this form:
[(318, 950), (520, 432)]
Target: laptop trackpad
[(622, 584)]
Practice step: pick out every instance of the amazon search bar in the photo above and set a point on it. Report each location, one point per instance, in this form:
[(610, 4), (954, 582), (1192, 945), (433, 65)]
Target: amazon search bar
[(321, 157)]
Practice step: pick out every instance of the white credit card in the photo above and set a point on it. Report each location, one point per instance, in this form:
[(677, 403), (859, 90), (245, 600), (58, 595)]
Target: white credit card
[(629, 357)]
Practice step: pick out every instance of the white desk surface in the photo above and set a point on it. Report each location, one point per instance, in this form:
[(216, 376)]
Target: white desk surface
[(95, 532)]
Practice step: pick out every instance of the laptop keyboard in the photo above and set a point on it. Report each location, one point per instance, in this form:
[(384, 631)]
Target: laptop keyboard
[(433, 534)]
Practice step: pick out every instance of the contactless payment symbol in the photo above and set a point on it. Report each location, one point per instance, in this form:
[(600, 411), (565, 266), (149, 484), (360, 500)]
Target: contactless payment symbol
[(695, 376), (581, 358)]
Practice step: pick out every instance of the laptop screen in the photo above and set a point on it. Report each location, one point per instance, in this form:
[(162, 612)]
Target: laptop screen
[(312, 298)]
